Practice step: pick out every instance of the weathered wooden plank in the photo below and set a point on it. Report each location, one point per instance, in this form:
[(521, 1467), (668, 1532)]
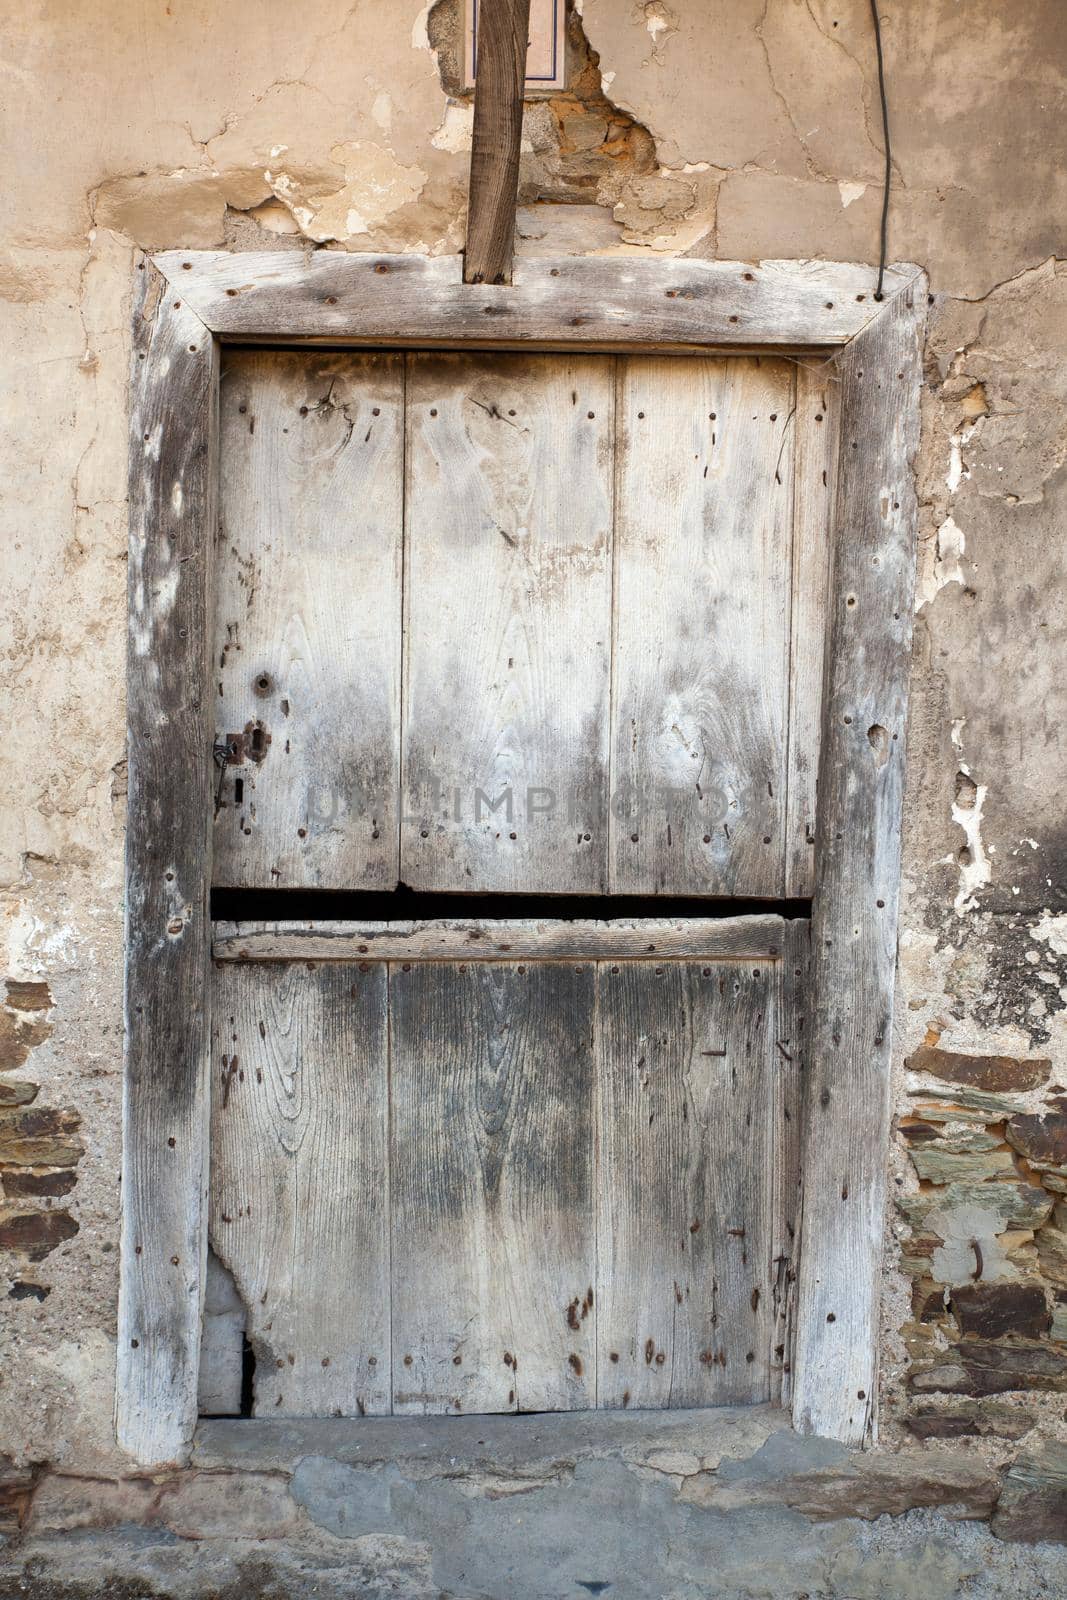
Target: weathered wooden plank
[(813, 494), (861, 778), (476, 939), (299, 1180), (567, 301), (172, 498), (701, 652), (787, 1120), (684, 1302), (508, 618), (503, 28), (308, 619), (222, 1344), (494, 1251)]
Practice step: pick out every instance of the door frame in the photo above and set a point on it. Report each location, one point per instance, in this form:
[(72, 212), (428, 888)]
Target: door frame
[(187, 305)]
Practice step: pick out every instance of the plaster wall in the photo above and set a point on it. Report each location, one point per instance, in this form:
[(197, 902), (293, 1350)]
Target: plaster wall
[(731, 128)]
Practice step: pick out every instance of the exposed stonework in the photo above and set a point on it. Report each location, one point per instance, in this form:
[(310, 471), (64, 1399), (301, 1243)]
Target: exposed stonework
[(39, 1147), (718, 1503), (985, 1249), (1033, 1501), (578, 148)]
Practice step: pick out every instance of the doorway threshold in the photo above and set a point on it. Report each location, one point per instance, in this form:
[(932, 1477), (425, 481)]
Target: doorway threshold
[(513, 1451)]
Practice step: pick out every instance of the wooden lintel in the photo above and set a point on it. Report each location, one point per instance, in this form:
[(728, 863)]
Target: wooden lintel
[(503, 27)]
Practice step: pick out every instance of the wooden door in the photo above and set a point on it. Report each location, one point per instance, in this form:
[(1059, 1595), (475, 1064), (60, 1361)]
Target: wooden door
[(500, 624), (531, 1183), (538, 623)]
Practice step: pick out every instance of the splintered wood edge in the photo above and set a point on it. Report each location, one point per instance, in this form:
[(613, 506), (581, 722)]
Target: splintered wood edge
[(750, 938)]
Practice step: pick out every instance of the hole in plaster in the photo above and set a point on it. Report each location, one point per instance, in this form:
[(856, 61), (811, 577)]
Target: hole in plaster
[(966, 791)]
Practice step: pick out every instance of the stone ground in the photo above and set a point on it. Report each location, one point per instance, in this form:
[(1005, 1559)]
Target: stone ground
[(668, 1506)]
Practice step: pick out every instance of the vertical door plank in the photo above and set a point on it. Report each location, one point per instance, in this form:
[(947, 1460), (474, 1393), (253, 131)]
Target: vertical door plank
[(787, 1079), (701, 654), (683, 1297), (308, 619), (508, 617), (813, 494), (494, 1247), (299, 1180)]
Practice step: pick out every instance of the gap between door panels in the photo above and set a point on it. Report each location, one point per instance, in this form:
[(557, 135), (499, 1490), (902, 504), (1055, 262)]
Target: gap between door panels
[(404, 904)]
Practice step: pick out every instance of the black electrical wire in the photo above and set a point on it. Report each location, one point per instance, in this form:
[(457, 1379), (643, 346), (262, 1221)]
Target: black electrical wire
[(884, 234)]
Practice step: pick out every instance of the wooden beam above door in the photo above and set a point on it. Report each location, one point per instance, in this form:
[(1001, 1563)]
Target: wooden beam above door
[(503, 27)]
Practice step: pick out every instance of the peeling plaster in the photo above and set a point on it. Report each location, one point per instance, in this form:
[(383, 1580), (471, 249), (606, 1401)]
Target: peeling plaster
[(376, 185), (974, 864), (457, 128), (1052, 930), (946, 567)]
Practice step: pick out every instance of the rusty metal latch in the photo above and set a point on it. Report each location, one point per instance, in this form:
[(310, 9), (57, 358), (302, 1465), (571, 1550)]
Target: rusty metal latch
[(224, 753)]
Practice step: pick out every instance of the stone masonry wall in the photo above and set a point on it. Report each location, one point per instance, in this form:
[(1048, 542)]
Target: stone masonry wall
[(730, 128)]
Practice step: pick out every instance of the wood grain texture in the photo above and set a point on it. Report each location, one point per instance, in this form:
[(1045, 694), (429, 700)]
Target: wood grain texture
[(503, 29), (861, 777), (299, 1180), (684, 1306), (494, 1254), (508, 619), (814, 470), (788, 1064), (701, 654), (172, 484), (473, 939), (308, 619), (555, 303)]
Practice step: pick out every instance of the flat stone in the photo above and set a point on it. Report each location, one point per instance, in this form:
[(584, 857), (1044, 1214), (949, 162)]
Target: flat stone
[(495, 1449), (980, 1072), (971, 1419), (1014, 1205), (31, 994), (957, 1104), (823, 1482), (957, 1141), (584, 130), (928, 1302), (16, 1487), (1041, 1140), (1051, 1245), (975, 1367), (676, 1463), (1033, 1501), (34, 1233), (991, 1310), (193, 1505), (349, 1502), (938, 1165), (62, 1503)]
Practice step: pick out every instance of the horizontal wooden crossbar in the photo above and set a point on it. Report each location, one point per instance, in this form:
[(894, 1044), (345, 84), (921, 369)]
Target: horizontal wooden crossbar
[(555, 303), (758, 938)]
